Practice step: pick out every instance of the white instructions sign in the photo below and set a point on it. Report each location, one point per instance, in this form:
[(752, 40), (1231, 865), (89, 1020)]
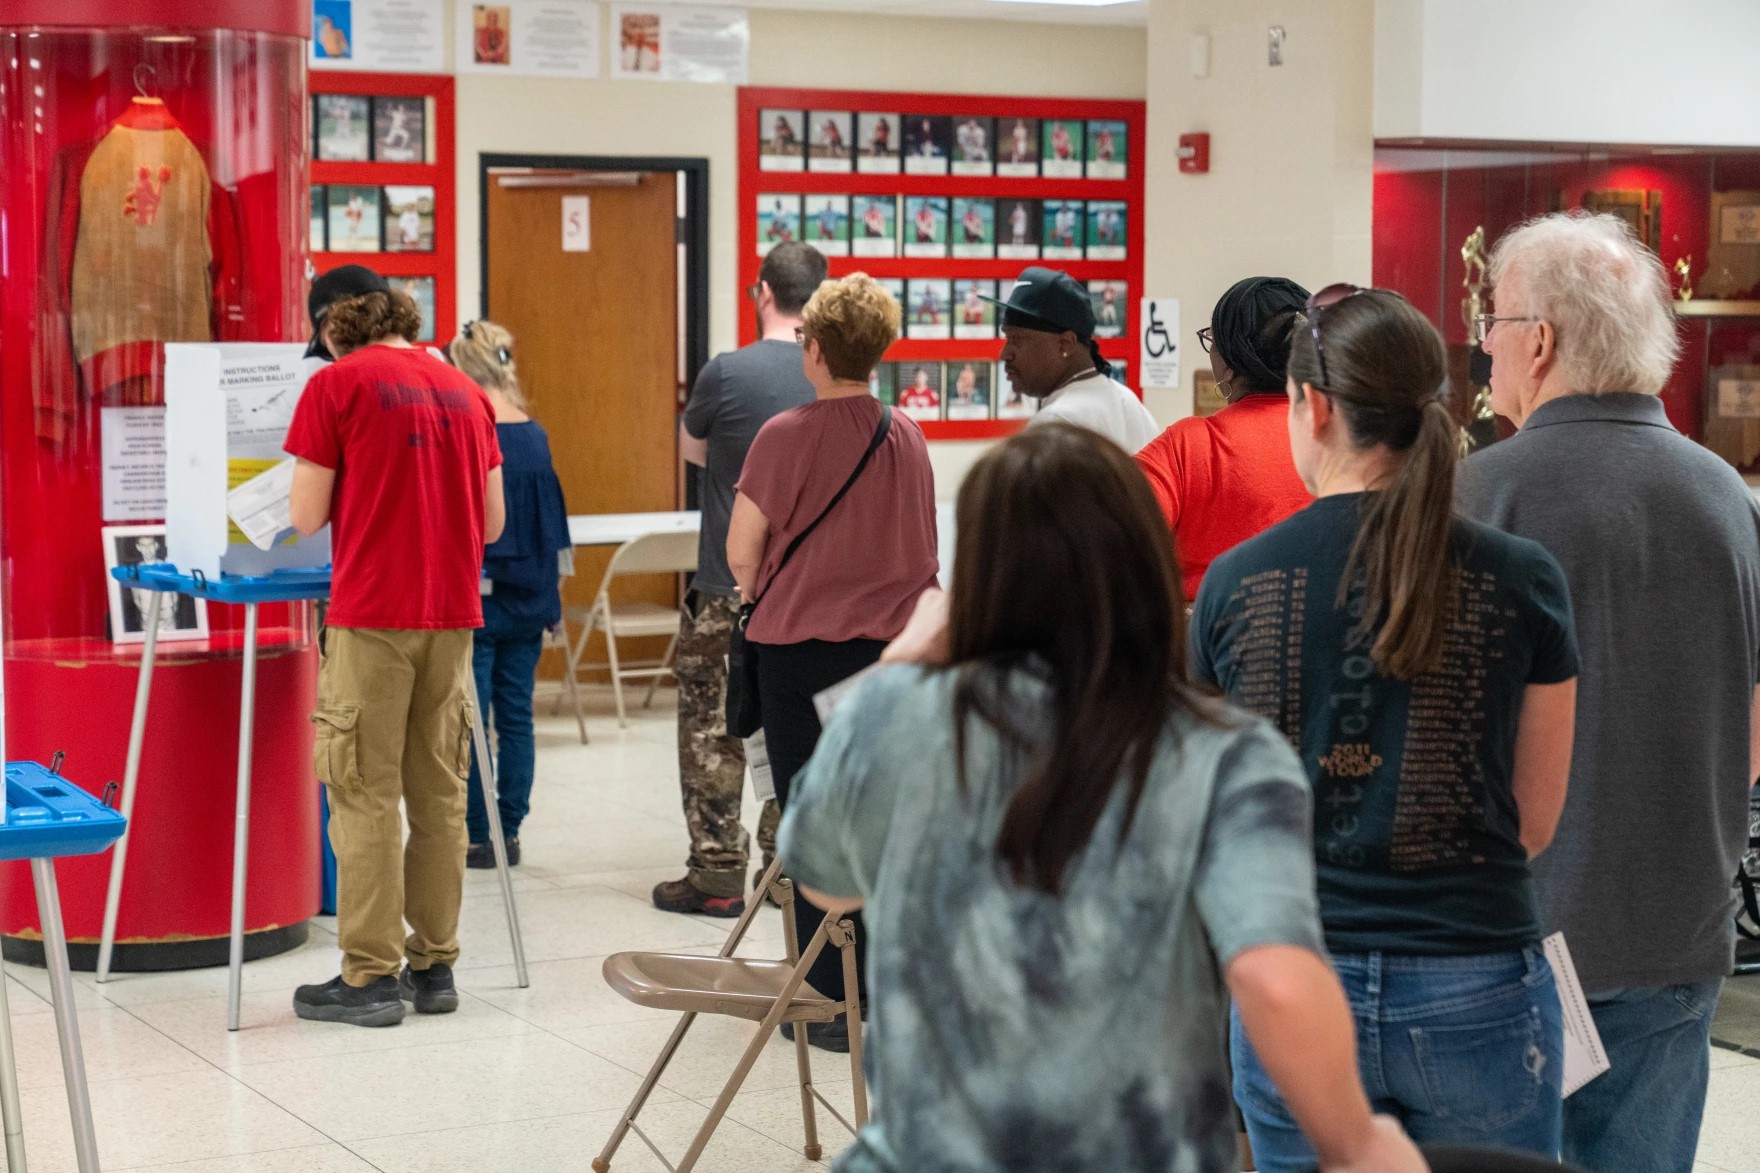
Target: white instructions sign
[(530, 38), (1158, 324), (133, 447), (577, 224), (390, 36), (262, 386), (676, 43), (1584, 1056)]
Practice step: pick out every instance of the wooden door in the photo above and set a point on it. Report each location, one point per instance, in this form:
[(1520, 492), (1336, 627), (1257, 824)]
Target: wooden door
[(596, 338)]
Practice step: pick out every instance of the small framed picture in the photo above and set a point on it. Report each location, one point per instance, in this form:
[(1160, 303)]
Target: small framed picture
[(1017, 230), (320, 214), (400, 130), (877, 144), (827, 224), (874, 226), (1011, 404), (974, 317), (883, 383), (929, 314), (354, 218), (180, 616), (1109, 307), (919, 389), (491, 29), (344, 123), (928, 141), (972, 150), (1063, 230), (409, 219), (974, 228), (779, 221), (895, 287), (1017, 148), (830, 140), (1106, 230), (969, 390), (421, 291), (925, 226), (782, 142), (1060, 149), (1108, 149)]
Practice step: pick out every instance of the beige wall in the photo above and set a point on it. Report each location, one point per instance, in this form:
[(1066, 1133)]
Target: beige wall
[(1290, 187)]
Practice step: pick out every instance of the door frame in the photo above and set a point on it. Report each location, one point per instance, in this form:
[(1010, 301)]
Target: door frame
[(693, 232)]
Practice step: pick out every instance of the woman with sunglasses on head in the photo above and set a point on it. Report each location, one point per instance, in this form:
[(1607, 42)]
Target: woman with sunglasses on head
[(1424, 667), (1223, 478)]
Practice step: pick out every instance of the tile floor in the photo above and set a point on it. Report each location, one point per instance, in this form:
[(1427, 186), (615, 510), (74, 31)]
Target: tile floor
[(518, 1081)]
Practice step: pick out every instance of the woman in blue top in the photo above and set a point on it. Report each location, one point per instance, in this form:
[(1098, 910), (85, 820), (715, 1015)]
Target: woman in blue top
[(523, 573), (1424, 667)]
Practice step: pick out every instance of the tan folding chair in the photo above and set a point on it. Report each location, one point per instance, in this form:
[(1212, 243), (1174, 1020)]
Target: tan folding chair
[(557, 638), (665, 553), (766, 992)]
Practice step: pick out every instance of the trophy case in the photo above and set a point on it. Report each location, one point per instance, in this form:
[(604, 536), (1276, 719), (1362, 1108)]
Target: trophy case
[(1440, 208)]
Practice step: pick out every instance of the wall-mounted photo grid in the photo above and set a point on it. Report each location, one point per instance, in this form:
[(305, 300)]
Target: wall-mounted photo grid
[(919, 227), (961, 389), (968, 145)]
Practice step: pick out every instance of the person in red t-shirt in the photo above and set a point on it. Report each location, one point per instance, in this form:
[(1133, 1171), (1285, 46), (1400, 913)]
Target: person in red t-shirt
[(1227, 477), (398, 454)]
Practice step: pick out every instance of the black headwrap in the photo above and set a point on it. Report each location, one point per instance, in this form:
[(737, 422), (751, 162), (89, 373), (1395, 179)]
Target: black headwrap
[(1251, 325)]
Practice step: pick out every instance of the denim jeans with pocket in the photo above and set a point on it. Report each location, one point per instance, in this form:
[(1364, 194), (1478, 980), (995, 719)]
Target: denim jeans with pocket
[(1462, 1050), (504, 660)]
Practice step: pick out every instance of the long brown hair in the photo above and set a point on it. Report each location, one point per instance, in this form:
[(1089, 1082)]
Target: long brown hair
[(1388, 373), (1064, 564)]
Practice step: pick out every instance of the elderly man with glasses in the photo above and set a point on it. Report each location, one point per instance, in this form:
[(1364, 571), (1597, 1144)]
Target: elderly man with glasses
[(1660, 540)]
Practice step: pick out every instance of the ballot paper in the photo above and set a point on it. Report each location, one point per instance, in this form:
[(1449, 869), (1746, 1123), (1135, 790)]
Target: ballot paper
[(825, 703), (1584, 1057), (262, 507)]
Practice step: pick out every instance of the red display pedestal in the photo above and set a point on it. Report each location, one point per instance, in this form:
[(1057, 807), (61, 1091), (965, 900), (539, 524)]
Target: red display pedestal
[(176, 898)]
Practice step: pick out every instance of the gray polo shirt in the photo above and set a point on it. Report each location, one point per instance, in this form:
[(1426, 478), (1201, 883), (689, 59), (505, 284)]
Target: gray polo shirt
[(1660, 541)]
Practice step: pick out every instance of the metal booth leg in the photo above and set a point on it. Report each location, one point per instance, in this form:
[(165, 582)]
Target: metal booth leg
[(9, 1106), (241, 833), (131, 774), (491, 803), (73, 1063)]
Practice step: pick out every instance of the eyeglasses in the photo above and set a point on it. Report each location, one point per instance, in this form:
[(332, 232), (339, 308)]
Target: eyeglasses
[(1482, 324), (800, 336), (1207, 339)]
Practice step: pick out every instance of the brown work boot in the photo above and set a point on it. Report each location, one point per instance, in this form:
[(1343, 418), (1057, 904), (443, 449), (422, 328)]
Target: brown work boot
[(685, 896)]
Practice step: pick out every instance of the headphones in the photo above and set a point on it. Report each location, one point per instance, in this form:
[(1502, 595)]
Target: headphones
[(501, 352)]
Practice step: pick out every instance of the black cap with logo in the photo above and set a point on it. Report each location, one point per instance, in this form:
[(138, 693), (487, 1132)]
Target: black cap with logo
[(1048, 300), (334, 286)]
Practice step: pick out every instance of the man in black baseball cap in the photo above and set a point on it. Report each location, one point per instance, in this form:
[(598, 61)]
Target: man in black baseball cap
[(334, 286), (1049, 353)]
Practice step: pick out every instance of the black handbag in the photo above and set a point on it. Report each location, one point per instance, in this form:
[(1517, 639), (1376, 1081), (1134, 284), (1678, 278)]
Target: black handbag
[(744, 717)]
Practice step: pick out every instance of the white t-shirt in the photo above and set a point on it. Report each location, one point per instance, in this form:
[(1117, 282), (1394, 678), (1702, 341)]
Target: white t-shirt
[(1102, 405)]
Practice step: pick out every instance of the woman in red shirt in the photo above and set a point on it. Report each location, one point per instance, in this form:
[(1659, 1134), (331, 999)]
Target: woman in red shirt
[(1225, 478)]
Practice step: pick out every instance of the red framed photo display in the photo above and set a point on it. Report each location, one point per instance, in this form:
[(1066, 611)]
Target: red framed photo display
[(1116, 195), (424, 261)]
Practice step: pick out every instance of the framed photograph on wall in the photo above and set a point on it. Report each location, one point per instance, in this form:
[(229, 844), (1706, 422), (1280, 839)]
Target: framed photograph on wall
[(1060, 148), (929, 314), (1017, 230), (968, 389), (883, 383), (782, 140), (1108, 145), (874, 226), (1011, 404), (1641, 209), (877, 144), (895, 287), (409, 219), (1063, 230), (400, 130), (1106, 230), (925, 226), (919, 389), (827, 224), (830, 135), (420, 291), (180, 616), (974, 228), (354, 218), (344, 125), (974, 317), (320, 214), (928, 142), (779, 221), (972, 151), (1017, 148), (1109, 298)]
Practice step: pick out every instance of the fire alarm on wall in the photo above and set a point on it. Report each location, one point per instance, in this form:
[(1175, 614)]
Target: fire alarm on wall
[(1194, 153)]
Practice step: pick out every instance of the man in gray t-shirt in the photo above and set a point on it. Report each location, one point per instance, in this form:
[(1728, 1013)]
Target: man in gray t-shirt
[(1660, 542), (734, 396)]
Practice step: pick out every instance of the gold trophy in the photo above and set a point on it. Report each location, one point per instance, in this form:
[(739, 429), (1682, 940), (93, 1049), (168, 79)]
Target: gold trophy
[(1684, 267), (1473, 305)]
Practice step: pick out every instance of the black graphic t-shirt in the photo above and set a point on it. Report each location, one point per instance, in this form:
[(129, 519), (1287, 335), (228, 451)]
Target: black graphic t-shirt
[(1416, 833)]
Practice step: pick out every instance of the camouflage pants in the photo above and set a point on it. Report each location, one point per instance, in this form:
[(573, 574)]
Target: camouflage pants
[(712, 765)]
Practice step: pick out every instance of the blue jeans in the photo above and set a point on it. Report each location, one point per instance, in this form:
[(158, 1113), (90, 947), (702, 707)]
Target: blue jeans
[(1642, 1115), (504, 660), (1462, 1050)]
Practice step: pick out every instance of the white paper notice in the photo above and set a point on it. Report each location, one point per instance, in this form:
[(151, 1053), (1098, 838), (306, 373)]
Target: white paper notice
[(133, 446), (262, 507), (577, 224), (1584, 1057), (262, 386), (1159, 322), (758, 761), (393, 36), (675, 43), (533, 38)]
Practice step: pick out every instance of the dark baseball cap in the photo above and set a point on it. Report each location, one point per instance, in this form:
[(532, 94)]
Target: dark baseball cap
[(334, 286), (1049, 300)]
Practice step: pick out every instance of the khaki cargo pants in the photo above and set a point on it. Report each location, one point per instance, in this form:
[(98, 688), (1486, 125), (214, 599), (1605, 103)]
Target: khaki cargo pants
[(394, 723)]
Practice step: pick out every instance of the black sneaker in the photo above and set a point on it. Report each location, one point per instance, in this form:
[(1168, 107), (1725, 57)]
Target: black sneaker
[(482, 855), (431, 989), (827, 1036), (375, 1004), (684, 896)]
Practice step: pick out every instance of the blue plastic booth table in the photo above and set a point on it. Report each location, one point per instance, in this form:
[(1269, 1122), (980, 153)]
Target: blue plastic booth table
[(47, 817), (281, 586)]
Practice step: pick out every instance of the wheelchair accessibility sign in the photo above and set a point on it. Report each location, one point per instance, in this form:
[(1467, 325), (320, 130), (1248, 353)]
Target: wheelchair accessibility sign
[(1158, 326)]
